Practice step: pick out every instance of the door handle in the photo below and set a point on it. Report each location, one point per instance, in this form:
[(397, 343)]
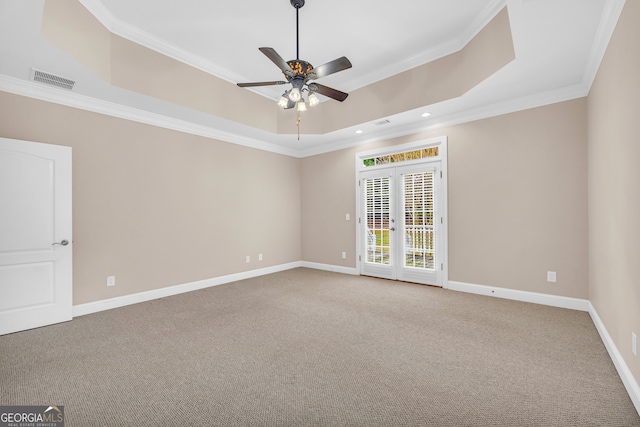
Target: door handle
[(62, 243), (392, 229)]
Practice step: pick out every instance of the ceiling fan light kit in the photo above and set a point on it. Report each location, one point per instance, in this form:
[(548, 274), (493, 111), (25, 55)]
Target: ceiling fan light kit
[(302, 75)]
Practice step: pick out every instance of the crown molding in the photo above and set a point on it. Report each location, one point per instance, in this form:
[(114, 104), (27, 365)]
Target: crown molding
[(483, 112), (482, 20), (143, 38), (59, 96), (87, 103), (606, 27), (101, 13), (447, 48)]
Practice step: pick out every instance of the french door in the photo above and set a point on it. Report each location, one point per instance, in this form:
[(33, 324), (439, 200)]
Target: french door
[(401, 223)]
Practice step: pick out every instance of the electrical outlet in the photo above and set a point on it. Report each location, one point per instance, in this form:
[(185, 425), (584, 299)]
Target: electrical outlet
[(344, 255), (111, 280), (347, 217), (259, 257), (634, 343), (248, 259), (551, 276)]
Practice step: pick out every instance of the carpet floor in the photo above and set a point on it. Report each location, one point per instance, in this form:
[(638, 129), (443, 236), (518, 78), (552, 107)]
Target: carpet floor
[(313, 348)]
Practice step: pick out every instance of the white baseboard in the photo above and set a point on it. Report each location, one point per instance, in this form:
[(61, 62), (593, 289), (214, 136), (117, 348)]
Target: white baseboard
[(329, 267), (107, 304), (524, 296), (623, 369)]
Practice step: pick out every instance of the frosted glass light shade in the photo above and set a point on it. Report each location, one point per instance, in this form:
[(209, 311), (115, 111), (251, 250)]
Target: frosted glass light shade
[(283, 102), (295, 94), (313, 100)]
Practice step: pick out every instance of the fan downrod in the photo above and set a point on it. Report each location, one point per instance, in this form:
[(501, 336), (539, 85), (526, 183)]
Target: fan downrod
[(297, 3)]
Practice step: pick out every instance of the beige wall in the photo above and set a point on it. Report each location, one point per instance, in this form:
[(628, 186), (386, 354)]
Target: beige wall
[(328, 193), (156, 207), (614, 186), (517, 201)]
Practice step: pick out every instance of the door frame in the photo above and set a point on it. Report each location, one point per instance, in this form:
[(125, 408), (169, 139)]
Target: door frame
[(441, 143)]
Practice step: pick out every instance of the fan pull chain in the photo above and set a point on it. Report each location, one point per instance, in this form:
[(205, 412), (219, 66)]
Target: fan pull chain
[(298, 125)]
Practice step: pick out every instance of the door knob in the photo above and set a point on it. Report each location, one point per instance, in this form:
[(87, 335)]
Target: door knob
[(392, 229), (62, 243)]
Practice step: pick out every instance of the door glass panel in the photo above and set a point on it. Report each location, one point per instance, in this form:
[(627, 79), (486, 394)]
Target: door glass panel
[(377, 193), (419, 231)]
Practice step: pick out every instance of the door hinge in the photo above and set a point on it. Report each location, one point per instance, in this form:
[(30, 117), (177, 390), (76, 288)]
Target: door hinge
[(440, 174), (359, 257), (441, 266), (359, 221), (441, 220)]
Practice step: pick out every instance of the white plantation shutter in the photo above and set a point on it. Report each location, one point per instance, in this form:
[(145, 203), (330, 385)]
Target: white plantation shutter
[(419, 211), (377, 209)]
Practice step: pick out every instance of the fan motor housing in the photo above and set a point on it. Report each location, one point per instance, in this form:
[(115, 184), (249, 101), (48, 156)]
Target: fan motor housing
[(299, 68), (297, 3)]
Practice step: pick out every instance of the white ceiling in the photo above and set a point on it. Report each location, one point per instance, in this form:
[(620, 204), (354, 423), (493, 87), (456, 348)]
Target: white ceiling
[(558, 44)]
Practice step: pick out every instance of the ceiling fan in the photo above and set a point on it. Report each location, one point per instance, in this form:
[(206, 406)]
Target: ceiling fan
[(301, 73)]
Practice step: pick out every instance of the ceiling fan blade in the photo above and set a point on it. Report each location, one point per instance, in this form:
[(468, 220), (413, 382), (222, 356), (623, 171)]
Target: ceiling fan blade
[(277, 59), (329, 68), (254, 84), (330, 92)]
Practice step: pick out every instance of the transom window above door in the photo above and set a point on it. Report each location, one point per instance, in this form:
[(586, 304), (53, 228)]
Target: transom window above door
[(405, 156)]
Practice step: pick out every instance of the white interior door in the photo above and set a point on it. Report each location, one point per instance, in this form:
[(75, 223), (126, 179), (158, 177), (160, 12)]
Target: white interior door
[(35, 235), (401, 223)]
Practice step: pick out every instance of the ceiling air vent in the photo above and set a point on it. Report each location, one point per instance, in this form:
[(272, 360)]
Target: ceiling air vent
[(51, 79), (382, 122)]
